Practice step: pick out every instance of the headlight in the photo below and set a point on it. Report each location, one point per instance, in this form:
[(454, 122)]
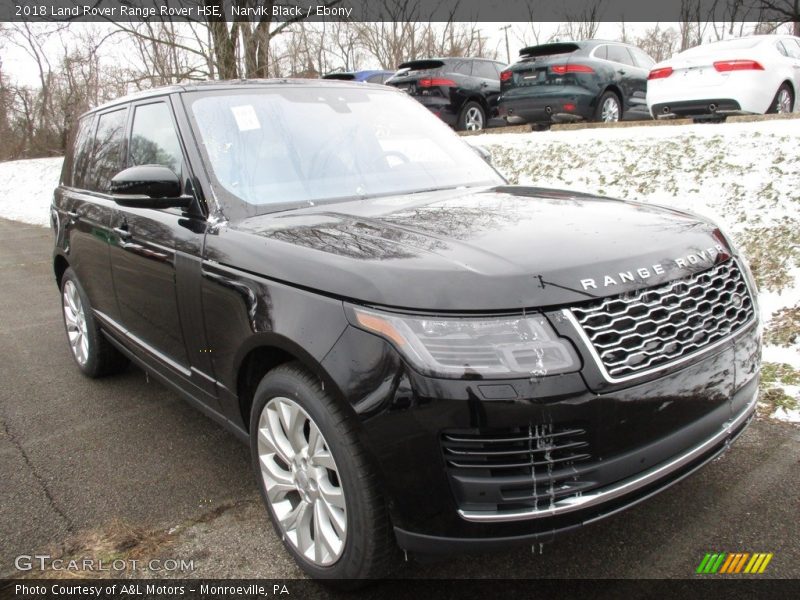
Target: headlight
[(487, 347)]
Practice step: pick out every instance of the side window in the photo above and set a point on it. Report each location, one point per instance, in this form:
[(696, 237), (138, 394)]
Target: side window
[(74, 169), (484, 69), (642, 58), (377, 78), (781, 48), (154, 140), (105, 160), (601, 52), (462, 67), (792, 47), (620, 54)]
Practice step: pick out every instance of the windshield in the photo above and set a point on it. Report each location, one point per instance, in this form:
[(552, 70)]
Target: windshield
[(270, 147)]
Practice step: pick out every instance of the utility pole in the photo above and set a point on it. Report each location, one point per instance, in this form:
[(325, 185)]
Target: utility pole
[(508, 52)]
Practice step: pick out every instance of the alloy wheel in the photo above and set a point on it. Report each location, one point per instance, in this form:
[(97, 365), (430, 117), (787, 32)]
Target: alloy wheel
[(474, 119), (784, 102), (610, 111), (302, 481), (75, 320)]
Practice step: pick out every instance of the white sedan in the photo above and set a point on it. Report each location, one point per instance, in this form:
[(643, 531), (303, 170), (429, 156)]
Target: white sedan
[(756, 74)]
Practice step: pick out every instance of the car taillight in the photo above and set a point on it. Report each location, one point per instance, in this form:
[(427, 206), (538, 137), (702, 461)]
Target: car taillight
[(737, 65), (561, 69), (505, 75), (435, 82), (660, 73)]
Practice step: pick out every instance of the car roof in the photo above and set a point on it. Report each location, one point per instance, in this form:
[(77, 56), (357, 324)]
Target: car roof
[(228, 84)]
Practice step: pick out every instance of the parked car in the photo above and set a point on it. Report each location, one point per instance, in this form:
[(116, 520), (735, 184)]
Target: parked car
[(369, 76), (592, 80), (462, 92), (755, 74), (417, 353)]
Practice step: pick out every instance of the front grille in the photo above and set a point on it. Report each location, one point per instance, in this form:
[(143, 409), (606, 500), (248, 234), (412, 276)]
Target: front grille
[(653, 327), (513, 469)]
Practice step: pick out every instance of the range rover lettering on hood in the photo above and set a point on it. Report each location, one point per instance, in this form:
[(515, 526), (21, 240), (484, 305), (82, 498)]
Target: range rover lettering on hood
[(708, 255)]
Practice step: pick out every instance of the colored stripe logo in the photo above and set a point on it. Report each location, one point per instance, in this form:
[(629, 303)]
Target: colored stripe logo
[(734, 562)]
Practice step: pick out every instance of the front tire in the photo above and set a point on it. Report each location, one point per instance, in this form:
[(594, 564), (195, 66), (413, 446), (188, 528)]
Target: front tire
[(783, 102), (320, 492), (93, 353)]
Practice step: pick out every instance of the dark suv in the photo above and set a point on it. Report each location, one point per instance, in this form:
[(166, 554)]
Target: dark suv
[(462, 92), (417, 353), (592, 80)]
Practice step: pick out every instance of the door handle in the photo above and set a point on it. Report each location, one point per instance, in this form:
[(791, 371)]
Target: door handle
[(621, 71), (122, 232), (73, 215)]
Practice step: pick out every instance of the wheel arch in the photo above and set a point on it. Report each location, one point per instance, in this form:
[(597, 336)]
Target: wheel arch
[(612, 87), (60, 266), (262, 354)]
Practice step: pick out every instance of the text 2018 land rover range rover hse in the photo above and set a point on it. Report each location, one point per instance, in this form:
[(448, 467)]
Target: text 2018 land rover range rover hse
[(418, 354)]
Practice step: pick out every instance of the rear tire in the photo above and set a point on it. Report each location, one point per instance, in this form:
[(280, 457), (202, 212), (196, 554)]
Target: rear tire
[(315, 480), (783, 102), (472, 117), (93, 353), (609, 108)]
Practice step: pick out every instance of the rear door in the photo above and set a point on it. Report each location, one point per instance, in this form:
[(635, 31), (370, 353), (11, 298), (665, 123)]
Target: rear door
[(83, 204), (631, 78), (487, 78)]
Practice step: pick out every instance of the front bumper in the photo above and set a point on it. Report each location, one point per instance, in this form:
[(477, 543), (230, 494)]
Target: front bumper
[(636, 439)]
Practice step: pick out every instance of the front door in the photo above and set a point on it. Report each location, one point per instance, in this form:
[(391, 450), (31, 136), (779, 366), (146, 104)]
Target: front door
[(144, 255)]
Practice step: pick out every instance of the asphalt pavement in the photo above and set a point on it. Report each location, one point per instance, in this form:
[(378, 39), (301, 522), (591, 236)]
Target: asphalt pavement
[(83, 460)]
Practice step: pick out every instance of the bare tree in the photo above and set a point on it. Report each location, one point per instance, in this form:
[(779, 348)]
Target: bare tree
[(659, 42), (232, 49), (692, 23), (584, 24), (783, 11)]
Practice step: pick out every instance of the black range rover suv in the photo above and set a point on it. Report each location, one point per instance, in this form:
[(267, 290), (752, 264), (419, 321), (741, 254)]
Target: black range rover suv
[(418, 354)]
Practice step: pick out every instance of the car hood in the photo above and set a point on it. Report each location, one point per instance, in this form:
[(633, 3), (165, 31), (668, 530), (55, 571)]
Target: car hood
[(489, 249)]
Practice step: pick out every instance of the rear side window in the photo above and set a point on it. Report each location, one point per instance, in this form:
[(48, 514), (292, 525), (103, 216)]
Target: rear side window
[(484, 69), (106, 159), (792, 47), (462, 67), (781, 48), (76, 160), (620, 54), (642, 59), (377, 78), (154, 140), (601, 52)]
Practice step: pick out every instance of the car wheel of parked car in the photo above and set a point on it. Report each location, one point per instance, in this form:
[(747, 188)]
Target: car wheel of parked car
[(472, 117), (93, 353), (783, 102), (321, 494), (608, 109)]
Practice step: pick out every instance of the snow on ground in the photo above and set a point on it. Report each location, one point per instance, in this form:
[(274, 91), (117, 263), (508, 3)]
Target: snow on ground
[(27, 189)]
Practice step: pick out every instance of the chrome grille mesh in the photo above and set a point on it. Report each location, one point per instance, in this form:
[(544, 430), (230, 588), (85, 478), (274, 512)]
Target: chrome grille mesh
[(655, 326)]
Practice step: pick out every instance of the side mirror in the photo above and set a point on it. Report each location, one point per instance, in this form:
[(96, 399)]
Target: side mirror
[(483, 153), (148, 186)]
